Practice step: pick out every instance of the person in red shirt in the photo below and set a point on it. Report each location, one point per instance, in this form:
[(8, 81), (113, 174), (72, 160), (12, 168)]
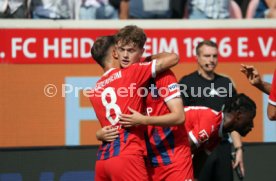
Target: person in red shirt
[(127, 150), (168, 150), (206, 126), (255, 79)]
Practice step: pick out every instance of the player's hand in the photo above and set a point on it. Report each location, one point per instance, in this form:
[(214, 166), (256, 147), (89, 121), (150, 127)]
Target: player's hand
[(239, 161), (133, 119), (252, 74), (107, 134)]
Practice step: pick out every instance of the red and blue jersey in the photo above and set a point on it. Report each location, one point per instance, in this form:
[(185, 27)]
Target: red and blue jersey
[(204, 126), (164, 144), (272, 95), (117, 90)]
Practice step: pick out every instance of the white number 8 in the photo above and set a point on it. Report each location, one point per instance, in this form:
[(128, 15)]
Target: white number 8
[(111, 105)]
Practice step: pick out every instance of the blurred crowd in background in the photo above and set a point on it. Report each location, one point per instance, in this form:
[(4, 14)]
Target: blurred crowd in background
[(137, 9)]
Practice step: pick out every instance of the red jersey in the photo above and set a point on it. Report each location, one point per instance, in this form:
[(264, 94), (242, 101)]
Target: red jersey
[(164, 144), (117, 90), (272, 95), (204, 126)]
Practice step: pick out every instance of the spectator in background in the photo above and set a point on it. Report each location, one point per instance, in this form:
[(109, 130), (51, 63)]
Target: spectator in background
[(14, 8), (202, 88), (97, 9), (52, 9), (235, 10), (178, 8), (261, 9), (213, 9), (145, 9)]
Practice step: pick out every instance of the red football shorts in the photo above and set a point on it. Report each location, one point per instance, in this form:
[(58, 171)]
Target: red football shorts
[(179, 170), (121, 168)]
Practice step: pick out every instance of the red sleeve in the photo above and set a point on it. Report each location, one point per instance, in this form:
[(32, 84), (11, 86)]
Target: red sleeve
[(272, 95), (167, 85), (203, 128)]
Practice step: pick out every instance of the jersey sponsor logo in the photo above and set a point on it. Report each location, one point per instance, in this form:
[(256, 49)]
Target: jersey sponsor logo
[(203, 136), (172, 87)]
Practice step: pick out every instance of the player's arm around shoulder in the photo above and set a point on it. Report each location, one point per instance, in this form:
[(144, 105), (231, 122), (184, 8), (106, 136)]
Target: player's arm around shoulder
[(164, 61)]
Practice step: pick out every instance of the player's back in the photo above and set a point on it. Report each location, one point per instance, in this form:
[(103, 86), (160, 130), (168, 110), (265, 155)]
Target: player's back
[(117, 90), (204, 125)]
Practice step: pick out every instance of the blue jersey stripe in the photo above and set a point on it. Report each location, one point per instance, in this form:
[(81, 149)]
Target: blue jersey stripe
[(107, 151), (151, 155), (100, 152), (116, 146), (161, 148), (170, 137), (126, 133)]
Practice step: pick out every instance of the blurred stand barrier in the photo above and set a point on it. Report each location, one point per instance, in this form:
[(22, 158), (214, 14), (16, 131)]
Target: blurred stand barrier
[(48, 163), (77, 163)]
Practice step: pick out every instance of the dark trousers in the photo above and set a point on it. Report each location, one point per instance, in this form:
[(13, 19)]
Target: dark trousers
[(218, 166)]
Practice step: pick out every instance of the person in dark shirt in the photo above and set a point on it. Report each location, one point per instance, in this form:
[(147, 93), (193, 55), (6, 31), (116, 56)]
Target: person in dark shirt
[(203, 92), (206, 88)]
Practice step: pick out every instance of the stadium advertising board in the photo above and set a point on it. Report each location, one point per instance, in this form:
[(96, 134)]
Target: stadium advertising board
[(73, 46)]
